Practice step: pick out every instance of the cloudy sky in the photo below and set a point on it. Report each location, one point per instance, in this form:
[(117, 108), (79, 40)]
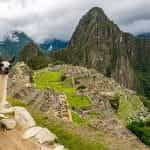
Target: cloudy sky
[(43, 19)]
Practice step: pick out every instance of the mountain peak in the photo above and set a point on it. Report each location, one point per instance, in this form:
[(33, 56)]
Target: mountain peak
[(97, 9), (97, 12), (94, 16)]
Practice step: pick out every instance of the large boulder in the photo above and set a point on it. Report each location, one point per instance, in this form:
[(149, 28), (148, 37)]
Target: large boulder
[(45, 136), (8, 123), (41, 135), (59, 147), (31, 132), (23, 118)]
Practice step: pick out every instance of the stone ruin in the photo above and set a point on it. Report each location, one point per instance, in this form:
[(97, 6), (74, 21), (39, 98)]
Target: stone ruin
[(20, 87)]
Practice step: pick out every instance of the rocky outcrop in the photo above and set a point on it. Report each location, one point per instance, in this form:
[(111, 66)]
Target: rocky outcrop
[(98, 43), (42, 137), (23, 118)]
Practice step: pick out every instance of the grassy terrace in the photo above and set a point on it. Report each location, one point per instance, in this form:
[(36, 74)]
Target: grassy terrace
[(48, 79), (72, 136)]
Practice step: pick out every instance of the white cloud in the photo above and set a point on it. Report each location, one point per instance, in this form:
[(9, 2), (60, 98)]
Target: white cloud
[(43, 19)]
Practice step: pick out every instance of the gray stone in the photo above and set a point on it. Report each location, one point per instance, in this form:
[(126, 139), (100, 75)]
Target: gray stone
[(45, 136), (31, 132), (23, 118), (59, 147), (8, 123)]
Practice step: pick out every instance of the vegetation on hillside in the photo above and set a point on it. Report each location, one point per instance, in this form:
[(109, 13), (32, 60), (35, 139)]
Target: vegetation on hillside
[(142, 130), (33, 57), (128, 105)]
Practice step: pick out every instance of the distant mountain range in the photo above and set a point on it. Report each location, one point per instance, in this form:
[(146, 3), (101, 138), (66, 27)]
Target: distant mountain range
[(54, 44), (15, 41), (144, 35)]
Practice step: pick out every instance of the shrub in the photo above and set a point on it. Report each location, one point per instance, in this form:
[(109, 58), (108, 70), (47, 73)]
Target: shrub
[(141, 130), (63, 78), (58, 62), (16, 102)]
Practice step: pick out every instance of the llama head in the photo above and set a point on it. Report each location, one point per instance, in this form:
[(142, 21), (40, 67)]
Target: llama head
[(5, 66)]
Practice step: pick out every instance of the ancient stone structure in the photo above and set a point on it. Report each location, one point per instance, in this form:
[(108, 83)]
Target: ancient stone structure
[(100, 90), (20, 87)]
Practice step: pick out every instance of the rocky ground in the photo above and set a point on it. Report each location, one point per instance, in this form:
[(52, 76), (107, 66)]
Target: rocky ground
[(20, 132), (13, 141)]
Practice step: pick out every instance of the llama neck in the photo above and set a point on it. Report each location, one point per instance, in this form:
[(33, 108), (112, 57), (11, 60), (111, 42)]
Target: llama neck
[(3, 88)]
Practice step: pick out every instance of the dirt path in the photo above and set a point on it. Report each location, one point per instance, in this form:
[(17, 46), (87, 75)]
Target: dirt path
[(11, 140)]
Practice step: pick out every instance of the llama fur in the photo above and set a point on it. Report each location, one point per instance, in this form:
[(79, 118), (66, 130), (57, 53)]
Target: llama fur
[(3, 90), (5, 67)]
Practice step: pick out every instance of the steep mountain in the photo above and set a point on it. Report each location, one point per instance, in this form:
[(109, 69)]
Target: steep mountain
[(144, 35), (55, 44), (99, 43), (32, 55), (13, 42)]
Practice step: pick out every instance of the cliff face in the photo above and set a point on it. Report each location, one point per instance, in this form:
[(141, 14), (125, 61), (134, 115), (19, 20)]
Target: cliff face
[(97, 42)]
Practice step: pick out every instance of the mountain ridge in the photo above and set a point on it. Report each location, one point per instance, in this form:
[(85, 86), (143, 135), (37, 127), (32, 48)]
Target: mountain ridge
[(145, 35), (13, 42)]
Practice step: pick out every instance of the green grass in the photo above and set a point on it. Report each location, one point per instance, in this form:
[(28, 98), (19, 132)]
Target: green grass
[(71, 136), (77, 101), (129, 105), (141, 130), (16, 102), (48, 79), (77, 119)]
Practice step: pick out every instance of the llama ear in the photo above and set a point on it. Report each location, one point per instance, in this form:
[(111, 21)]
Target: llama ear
[(12, 60)]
